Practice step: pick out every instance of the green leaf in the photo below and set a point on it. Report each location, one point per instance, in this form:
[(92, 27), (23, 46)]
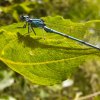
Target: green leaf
[(48, 59)]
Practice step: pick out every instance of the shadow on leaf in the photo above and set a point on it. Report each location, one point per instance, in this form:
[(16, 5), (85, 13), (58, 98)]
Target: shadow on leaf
[(34, 43)]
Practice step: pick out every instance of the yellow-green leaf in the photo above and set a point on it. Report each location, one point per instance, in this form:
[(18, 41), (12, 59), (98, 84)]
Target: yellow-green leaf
[(45, 59)]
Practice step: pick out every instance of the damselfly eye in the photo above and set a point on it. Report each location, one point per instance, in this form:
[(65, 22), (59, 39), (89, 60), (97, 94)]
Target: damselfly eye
[(22, 17)]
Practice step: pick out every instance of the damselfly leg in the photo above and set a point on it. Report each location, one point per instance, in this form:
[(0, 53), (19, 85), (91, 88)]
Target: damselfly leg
[(33, 30)]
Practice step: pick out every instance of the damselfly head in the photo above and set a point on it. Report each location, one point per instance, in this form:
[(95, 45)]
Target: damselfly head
[(23, 18)]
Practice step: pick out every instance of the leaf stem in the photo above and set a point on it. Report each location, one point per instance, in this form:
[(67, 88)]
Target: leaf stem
[(89, 96)]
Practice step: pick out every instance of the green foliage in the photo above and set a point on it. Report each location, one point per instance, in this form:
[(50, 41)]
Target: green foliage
[(86, 78), (72, 9), (46, 61)]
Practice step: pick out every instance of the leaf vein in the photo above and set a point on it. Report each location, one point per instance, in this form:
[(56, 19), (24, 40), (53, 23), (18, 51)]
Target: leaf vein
[(39, 63)]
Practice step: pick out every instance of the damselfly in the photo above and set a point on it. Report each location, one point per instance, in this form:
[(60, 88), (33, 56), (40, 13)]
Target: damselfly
[(32, 23)]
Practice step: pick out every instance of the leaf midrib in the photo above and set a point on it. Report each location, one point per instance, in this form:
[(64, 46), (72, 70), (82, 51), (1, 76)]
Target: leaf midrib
[(39, 63)]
